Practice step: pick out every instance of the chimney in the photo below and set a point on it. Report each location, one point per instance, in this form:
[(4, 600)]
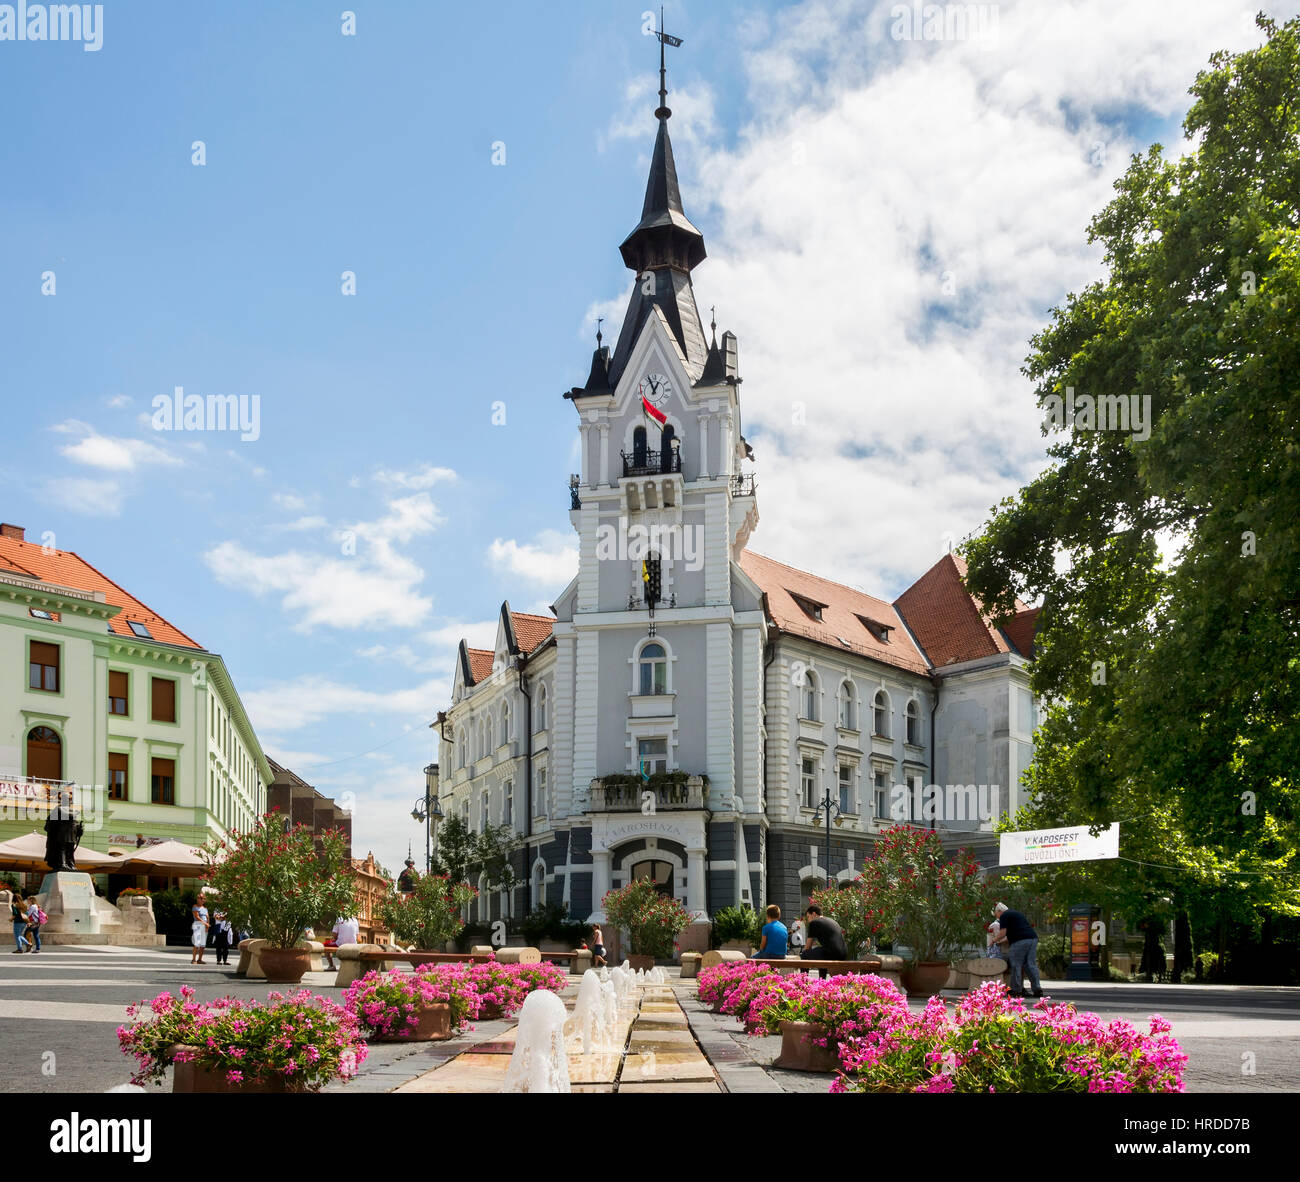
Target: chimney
[(17, 532)]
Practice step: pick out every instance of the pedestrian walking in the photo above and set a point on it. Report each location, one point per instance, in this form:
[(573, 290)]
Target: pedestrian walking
[(18, 912), (796, 936), (222, 937), (1021, 942), (35, 918), (198, 931)]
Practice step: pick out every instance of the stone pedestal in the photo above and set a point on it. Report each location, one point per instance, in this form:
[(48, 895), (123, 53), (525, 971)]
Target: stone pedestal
[(690, 965), (77, 914)]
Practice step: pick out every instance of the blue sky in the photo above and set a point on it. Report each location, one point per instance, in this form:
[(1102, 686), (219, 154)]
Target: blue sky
[(838, 173)]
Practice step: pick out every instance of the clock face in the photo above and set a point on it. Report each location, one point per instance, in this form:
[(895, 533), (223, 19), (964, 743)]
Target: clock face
[(655, 389)]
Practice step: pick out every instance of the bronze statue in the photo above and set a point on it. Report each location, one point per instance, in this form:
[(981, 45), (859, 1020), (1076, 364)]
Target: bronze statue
[(62, 834)]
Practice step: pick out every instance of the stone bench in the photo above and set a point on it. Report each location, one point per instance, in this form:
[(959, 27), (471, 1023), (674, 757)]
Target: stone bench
[(690, 965), (356, 960), (882, 965), (971, 974), (317, 950), (519, 955), (579, 960), (717, 956)]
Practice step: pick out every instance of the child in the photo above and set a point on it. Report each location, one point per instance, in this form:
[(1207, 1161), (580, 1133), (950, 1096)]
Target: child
[(35, 918)]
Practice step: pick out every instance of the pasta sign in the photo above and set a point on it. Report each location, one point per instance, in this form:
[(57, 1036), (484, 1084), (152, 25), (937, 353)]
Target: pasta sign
[(1044, 847)]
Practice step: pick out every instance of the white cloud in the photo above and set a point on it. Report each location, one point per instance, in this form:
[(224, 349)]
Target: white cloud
[(887, 414), (303, 701), (118, 401), (92, 498), (552, 558), (109, 452), (290, 502), (366, 584), (302, 524), (426, 477)]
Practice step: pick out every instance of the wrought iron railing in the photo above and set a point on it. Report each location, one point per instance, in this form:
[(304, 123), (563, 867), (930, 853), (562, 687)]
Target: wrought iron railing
[(742, 486), (575, 501), (651, 463), (623, 795)]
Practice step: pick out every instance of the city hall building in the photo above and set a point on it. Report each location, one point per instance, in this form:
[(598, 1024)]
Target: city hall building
[(694, 709)]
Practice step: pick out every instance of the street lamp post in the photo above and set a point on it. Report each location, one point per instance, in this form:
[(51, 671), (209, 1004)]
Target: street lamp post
[(428, 812), (830, 806)]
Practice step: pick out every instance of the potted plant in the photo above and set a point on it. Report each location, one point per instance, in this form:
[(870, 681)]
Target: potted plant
[(737, 928), (931, 903), (651, 920), (429, 916), (276, 883), (394, 1006), (297, 1043)]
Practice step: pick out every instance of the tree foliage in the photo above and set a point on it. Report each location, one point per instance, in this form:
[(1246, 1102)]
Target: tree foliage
[(1174, 686)]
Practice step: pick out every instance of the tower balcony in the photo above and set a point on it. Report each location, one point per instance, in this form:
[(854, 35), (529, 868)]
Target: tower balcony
[(648, 462), (626, 792)]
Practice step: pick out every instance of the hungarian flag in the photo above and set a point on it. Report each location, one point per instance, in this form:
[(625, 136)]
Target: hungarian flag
[(653, 411)]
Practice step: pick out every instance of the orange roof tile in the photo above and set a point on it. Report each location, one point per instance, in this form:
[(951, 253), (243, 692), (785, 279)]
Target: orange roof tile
[(480, 663), (843, 613), (948, 622), (531, 631), (1020, 631), (70, 570)]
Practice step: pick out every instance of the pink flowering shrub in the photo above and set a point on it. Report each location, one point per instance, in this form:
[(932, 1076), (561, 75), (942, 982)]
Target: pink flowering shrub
[(992, 1043), (306, 1039), (389, 1003), (849, 1005), (715, 984)]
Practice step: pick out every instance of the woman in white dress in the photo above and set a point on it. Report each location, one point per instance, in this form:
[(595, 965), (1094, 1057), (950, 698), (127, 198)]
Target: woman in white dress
[(198, 932)]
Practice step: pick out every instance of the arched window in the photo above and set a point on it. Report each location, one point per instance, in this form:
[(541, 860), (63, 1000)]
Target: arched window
[(654, 669), (848, 707), (461, 745), (914, 723), (541, 709), (44, 754), (638, 447), (505, 724), (880, 715), (666, 455), (811, 695), (484, 816), (539, 885)]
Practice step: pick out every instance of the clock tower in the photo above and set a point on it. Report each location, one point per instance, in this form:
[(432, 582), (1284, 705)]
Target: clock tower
[(664, 631)]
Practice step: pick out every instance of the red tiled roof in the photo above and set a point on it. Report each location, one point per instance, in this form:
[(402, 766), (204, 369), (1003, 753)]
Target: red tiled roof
[(530, 631), (69, 570), (480, 663), (948, 621), (843, 611), (1020, 631)]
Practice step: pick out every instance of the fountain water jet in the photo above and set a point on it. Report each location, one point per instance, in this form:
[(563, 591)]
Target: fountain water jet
[(539, 1062), (590, 1015)]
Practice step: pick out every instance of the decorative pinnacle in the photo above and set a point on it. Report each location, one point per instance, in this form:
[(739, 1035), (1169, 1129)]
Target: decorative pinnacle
[(664, 39), (713, 323), (599, 321)]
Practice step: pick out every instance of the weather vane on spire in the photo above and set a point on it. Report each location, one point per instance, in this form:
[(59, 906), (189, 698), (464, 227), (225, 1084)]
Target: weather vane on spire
[(599, 321), (664, 39)]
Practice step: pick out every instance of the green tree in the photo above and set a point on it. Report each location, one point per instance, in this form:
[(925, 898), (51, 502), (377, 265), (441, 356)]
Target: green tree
[(1174, 688), (457, 848), (429, 916), (492, 851)]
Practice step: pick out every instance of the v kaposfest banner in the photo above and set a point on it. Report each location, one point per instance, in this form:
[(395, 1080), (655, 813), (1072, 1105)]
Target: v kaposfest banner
[(1040, 847)]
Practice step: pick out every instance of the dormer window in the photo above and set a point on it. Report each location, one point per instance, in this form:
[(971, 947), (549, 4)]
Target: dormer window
[(876, 628), (810, 607), (140, 629)]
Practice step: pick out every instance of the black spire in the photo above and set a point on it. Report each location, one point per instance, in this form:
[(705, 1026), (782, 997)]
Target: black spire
[(663, 249)]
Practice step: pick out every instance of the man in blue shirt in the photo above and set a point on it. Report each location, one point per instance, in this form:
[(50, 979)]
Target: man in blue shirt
[(774, 935)]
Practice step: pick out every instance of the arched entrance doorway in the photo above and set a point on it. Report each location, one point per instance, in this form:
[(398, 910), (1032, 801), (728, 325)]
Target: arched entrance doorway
[(658, 872), (44, 754)]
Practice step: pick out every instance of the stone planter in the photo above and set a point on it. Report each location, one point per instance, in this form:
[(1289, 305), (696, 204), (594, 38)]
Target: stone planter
[(925, 978), (800, 1053), (198, 1079), (284, 966), (433, 1025), (639, 961)]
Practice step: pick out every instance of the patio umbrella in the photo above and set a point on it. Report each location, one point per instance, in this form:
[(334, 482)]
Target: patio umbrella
[(28, 853), (174, 857)]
